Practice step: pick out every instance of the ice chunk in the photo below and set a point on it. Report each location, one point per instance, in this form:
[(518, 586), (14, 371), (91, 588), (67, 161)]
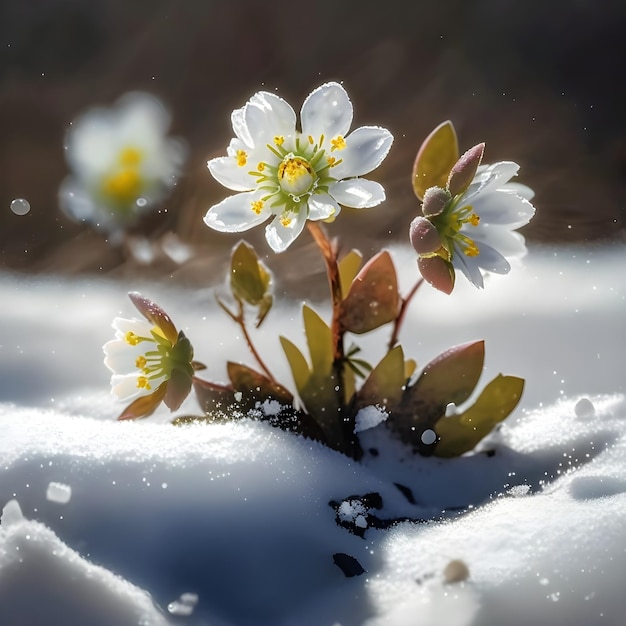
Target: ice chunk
[(11, 514), (369, 417), (59, 493)]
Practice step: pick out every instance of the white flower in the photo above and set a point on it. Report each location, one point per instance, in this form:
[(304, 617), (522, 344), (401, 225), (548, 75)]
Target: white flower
[(150, 360), (473, 231), (488, 213), (293, 175), (122, 162)]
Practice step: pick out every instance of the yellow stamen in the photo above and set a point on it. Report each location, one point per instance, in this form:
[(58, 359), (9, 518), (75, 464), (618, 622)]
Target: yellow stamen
[(242, 157), (473, 219), (332, 161), (142, 383), (471, 250), (257, 205), (311, 140), (279, 140), (338, 143), (130, 157), (140, 362), (131, 338), (285, 220), (123, 186), (261, 166)]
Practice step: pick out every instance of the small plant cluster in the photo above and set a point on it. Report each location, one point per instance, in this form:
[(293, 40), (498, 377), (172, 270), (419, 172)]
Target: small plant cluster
[(294, 177)]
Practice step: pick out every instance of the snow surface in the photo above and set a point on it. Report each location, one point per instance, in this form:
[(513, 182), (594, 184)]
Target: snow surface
[(239, 524)]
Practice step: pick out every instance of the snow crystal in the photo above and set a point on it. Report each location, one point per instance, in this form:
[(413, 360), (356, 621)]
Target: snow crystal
[(11, 514), (184, 606), (584, 408)]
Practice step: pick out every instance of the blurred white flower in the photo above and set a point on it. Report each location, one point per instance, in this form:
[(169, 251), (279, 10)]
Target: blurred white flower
[(122, 163), (293, 176)]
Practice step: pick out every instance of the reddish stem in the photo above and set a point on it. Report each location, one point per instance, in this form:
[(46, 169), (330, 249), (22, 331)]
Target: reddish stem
[(404, 303)]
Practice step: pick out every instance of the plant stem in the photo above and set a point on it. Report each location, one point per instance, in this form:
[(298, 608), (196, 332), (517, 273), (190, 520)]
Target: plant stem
[(330, 258), (402, 313), (239, 319)]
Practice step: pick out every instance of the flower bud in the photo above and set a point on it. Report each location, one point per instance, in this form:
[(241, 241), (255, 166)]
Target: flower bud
[(438, 272), (424, 236), (464, 170), (435, 200)]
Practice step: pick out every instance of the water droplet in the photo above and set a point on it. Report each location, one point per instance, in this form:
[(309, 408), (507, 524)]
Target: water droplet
[(20, 206), (428, 436)]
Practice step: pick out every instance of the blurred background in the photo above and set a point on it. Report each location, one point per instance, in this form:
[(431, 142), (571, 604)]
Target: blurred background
[(542, 83)]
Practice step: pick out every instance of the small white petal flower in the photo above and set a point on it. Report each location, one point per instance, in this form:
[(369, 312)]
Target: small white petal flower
[(122, 163), (149, 359), (475, 228), (290, 175)]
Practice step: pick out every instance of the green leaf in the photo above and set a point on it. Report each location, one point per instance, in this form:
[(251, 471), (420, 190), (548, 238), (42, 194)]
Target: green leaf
[(348, 269), (320, 341), (435, 158), (450, 377), (460, 433), (383, 387), (373, 296), (297, 363), (249, 278)]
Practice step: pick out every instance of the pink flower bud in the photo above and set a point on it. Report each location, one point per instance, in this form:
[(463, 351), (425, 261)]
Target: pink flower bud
[(438, 272), (435, 200), (424, 236), (464, 169)]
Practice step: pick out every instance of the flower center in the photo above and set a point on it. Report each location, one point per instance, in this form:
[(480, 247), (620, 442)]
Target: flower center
[(295, 175), (450, 226), (124, 183)]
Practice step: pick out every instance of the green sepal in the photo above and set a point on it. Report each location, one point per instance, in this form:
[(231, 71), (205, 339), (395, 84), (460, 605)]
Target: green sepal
[(373, 298), (155, 315), (435, 158), (144, 405), (460, 433)]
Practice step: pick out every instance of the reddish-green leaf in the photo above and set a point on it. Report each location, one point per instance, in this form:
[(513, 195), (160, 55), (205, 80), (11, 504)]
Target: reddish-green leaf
[(256, 387), (249, 278), (450, 377), (373, 297), (435, 158), (215, 399), (460, 433)]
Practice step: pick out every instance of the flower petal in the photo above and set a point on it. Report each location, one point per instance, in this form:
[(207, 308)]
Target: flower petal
[(505, 241), (469, 266), (358, 193), (326, 111), (503, 208), (491, 260), (492, 177), (226, 172), (266, 116), (279, 236), (365, 150), (322, 206), (240, 128), (124, 386), (235, 213)]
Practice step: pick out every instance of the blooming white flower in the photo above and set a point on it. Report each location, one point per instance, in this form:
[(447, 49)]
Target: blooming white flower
[(294, 175), (150, 360), (474, 231), (122, 162)]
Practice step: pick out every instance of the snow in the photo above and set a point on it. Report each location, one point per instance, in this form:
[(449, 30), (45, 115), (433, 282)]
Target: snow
[(240, 524)]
